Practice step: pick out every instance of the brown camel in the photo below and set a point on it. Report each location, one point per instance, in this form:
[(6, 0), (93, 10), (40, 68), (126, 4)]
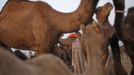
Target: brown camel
[(50, 65), (92, 33), (128, 36), (37, 26), (41, 65), (94, 39), (102, 14)]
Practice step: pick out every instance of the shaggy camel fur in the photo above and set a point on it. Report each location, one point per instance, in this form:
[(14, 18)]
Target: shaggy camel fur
[(119, 16), (50, 65), (94, 39), (37, 26), (102, 14), (41, 65), (128, 36)]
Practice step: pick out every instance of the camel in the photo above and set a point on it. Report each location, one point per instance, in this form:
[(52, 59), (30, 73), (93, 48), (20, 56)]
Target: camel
[(127, 36), (92, 33), (102, 14), (119, 16), (94, 39), (47, 64), (37, 26)]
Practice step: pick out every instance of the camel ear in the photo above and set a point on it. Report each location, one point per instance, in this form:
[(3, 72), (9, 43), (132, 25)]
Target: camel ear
[(82, 28)]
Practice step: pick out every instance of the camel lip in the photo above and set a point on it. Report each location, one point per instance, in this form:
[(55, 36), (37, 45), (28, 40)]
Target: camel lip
[(103, 11), (108, 7)]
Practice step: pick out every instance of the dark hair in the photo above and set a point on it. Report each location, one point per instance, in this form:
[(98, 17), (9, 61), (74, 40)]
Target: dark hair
[(130, 15), (20, 55)]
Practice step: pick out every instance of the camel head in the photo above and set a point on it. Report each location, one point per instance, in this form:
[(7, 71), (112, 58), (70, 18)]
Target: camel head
[(92, 33), (94, 36), (103, 12), (94, 40)]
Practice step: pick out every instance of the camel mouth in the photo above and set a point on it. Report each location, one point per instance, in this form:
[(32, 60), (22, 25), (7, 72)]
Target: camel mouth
[(105, 10), (109, 7)]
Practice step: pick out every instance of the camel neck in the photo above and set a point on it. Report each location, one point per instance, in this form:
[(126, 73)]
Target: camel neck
[(72, 21)]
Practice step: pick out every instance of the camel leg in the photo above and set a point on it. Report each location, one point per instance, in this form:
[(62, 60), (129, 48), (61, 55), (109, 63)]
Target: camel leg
[(94, 42), (118, 67), (44, 39), (132, 71), (105, 54), (41, 46), (119, 5), (44, 46), (130, 51)]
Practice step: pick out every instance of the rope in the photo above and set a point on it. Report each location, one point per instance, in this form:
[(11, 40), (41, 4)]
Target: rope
[(119, 11)]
